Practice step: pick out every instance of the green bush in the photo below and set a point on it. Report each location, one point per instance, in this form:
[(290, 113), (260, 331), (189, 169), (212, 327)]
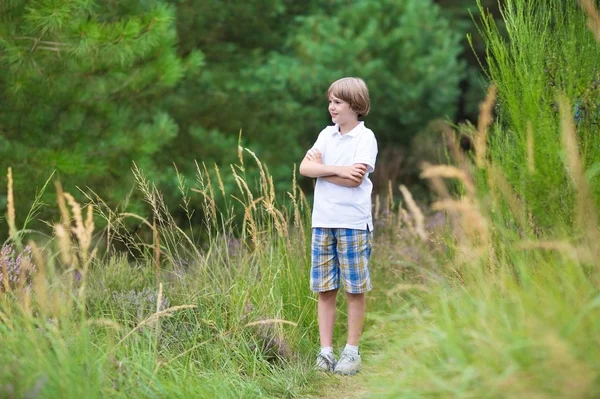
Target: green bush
[(406, 52), (80, 83), (549, 52)]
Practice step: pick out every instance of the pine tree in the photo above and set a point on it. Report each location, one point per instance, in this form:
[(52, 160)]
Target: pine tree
[(80, 85)]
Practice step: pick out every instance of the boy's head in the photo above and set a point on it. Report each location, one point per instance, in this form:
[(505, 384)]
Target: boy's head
[(354, 91)]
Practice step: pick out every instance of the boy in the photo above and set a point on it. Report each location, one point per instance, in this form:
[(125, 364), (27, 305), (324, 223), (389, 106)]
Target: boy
[(341, 159)]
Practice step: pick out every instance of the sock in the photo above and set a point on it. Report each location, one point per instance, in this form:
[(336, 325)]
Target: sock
[(326, 350), (351, 348)]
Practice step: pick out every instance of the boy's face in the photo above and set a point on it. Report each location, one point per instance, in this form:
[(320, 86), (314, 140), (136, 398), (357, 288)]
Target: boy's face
[(340, 111)]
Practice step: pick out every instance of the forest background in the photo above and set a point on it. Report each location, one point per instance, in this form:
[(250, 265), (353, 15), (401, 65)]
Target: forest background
[(91, 88)]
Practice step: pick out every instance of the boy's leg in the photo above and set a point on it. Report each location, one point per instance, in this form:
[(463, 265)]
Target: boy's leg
[(325, 280), (326, 316), (357, 304), (354, 251)]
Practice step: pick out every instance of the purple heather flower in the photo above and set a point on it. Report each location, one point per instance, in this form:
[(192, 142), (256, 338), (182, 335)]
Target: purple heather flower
[(13, 265)]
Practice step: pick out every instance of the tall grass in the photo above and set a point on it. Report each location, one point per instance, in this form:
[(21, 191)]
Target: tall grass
[(549, 51), (514, 312), (168, 317)]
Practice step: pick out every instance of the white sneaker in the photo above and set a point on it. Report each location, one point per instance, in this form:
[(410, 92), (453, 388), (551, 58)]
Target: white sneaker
[(326, 362), (349, 363)]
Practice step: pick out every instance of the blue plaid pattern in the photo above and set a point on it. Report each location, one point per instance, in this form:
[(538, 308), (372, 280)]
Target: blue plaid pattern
[(340, 254)]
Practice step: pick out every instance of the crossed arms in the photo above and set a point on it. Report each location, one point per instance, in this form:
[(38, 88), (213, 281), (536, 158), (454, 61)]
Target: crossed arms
[(347, 176)]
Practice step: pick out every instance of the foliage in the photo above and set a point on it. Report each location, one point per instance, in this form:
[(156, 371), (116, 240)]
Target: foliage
[(91, 87), (405, 51), (274, 90), (549, 53), (80, 84)]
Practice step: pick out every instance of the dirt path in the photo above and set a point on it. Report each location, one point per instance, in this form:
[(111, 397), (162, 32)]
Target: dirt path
[(359, 386), (341, 387)]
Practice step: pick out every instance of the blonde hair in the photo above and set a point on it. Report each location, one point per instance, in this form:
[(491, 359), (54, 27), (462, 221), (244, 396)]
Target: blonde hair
[(354, 91)]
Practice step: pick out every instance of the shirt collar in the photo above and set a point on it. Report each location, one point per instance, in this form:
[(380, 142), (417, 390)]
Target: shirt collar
[(352, 133)]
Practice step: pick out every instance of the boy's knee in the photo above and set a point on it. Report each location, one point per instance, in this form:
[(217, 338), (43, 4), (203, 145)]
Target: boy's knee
[(355, 297), (328, 294)]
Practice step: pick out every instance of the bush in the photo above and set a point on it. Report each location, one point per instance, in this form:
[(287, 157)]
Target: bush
[(550, 52)]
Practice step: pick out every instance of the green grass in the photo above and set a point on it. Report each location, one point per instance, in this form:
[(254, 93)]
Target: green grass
[(548, 52)]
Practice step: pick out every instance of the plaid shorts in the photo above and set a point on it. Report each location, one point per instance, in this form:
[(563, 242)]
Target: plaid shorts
[(340, 254)]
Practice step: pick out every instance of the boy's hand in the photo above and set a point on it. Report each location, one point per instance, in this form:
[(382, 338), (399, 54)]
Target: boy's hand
[(355, 172), (314, 155)]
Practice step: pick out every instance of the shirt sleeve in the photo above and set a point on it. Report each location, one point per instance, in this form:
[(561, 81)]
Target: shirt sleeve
[(366, 151), (320, 143)]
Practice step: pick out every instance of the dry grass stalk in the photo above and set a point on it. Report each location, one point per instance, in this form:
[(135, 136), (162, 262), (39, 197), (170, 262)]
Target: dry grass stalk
[(593, 16), (240, 152), (271, 188), (23, 274), (466, 218), (65, 217), (485, 120), (437, 184), (281, 224), (237, 179), (4, 268), (297, 218), (159, 298), (448, 172), (390, 199), (304, 204), (473, 223), (220, 180), (154, 317), (407, 221), (377, 206), (64, 244), (206, 190), (156, 247), (249, 223), (454, 146), (40, 287), (26, 307), (150, 193), (415, 211), (183, 189), (399, 216), (10, 216), (243, 186), (530, 148), (270, 321), (297, 215), (294, 196), (82, 230), (263, 179)]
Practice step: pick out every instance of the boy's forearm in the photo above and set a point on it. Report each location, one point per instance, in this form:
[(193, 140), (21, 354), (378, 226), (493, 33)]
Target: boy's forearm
[(341, 181), (315, 169)]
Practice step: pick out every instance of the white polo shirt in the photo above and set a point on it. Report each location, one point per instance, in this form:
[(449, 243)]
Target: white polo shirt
[(345, 207)]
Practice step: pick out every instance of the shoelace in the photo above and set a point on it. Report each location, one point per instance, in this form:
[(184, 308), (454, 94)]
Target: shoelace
[(327, 360), (349, 356)]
